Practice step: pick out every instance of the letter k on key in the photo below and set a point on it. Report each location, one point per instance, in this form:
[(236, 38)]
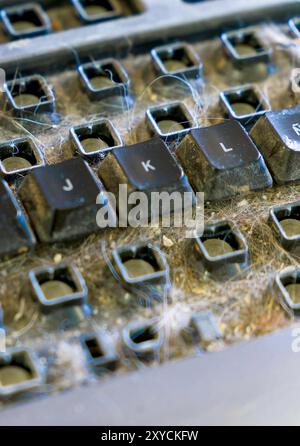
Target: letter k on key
[(148, 166)]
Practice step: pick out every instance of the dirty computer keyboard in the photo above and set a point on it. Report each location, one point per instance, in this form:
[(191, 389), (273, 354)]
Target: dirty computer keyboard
[(159, 96)]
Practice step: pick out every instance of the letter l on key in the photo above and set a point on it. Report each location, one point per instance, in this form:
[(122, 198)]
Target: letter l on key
[(224, 148)]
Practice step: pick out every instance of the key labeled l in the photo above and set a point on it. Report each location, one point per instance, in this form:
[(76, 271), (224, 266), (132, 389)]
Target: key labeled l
[(224, 148)]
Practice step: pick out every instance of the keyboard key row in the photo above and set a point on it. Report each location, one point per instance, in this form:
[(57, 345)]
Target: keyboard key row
[(33, 95), (60, 285), (22, 371), (31, 19), (108, 77), (221, 251), (222, 161)]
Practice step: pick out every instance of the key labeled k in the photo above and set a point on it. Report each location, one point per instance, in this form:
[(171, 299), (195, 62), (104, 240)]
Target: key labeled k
[(148, 166)]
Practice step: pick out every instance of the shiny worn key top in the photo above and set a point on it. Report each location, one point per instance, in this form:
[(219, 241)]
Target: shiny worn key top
[(277, 135), (16, 236), (61, 200), (145, 167), (222, 161)]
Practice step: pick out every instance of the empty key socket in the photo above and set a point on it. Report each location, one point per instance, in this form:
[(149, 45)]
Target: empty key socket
[(31, 94), (20, 371), (285, 220), (287, 290), (223, 250), (143, 339), (246, 104), (142, 269), (58, 286), (244, 46), (100, 351), (19, 156), (105, 78), (93, 11), (24, 21), (170, 121), (95, 138), (177, 59)]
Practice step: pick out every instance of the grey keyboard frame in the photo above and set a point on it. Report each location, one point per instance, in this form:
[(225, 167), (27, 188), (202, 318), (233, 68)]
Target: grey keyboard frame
[(161, 19), (256, 383)]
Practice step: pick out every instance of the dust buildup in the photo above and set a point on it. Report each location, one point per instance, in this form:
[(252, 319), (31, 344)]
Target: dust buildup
[(244, 306)]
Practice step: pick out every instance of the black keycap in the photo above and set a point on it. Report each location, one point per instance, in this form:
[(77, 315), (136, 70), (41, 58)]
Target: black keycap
[(277, 135), (15, 235), (146, 167), (61, 200), (222, 161)]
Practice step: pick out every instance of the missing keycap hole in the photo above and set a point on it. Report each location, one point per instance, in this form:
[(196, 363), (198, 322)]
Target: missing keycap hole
[(246, 44), (96, 137), (171, 119), (176, 59), (103, 76), (56, 284), (94, 348), (244, 102), (292, 286), (18, 155), (25, 20), (97, 7), (289, 219), (143, 334), (30, 92), (220, 240), (16, 371), (139, 263)]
